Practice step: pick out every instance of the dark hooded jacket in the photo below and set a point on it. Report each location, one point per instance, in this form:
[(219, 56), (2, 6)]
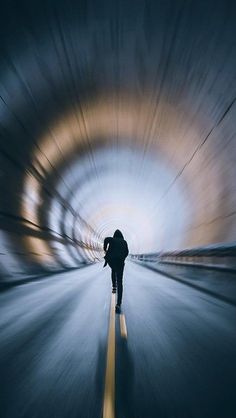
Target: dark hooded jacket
[(117, 250)]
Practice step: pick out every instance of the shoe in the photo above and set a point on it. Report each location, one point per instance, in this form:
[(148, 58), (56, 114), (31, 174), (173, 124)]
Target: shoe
[(114, 290), (117, 308)]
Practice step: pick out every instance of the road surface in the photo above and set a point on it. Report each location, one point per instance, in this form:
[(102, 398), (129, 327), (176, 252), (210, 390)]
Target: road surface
[(175, 348)]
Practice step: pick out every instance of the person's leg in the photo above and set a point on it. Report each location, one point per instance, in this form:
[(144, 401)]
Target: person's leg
[(113, 279), (120, 270)]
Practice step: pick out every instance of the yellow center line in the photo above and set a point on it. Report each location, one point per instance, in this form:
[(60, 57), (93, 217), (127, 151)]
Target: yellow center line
[(109, 393), (123, 328)]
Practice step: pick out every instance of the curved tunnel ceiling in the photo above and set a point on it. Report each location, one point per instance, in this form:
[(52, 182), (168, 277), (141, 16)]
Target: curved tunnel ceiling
[(116, 116)]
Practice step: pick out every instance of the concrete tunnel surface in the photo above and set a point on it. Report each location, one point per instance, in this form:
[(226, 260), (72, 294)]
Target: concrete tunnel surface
[(110, 116), (118, 114)]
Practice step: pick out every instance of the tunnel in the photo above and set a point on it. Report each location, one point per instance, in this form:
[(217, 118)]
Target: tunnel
[(117, 115)]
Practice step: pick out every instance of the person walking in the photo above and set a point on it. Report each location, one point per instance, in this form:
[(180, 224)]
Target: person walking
[(116, 250)]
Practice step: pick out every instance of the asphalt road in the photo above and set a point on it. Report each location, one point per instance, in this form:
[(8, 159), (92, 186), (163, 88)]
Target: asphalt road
[(178, 359)]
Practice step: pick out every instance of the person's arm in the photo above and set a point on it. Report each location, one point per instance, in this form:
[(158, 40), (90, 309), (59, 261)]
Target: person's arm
[(106, 242)]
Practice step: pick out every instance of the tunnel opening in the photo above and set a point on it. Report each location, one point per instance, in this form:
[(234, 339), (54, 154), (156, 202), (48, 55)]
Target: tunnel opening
[(112, 186)]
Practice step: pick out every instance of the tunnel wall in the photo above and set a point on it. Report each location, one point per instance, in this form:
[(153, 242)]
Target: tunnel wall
[(157, 76), (219, 257)]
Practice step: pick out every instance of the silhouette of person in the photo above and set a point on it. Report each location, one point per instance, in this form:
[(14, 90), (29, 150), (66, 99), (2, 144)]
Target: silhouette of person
[(115, 256)]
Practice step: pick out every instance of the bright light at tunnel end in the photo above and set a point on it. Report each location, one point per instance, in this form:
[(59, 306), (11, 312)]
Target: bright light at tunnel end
[(112, 187)]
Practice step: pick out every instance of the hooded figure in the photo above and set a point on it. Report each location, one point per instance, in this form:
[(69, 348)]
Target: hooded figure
[(115, 256)]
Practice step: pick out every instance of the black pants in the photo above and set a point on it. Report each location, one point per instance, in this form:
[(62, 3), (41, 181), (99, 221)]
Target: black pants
[(117, 270)]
